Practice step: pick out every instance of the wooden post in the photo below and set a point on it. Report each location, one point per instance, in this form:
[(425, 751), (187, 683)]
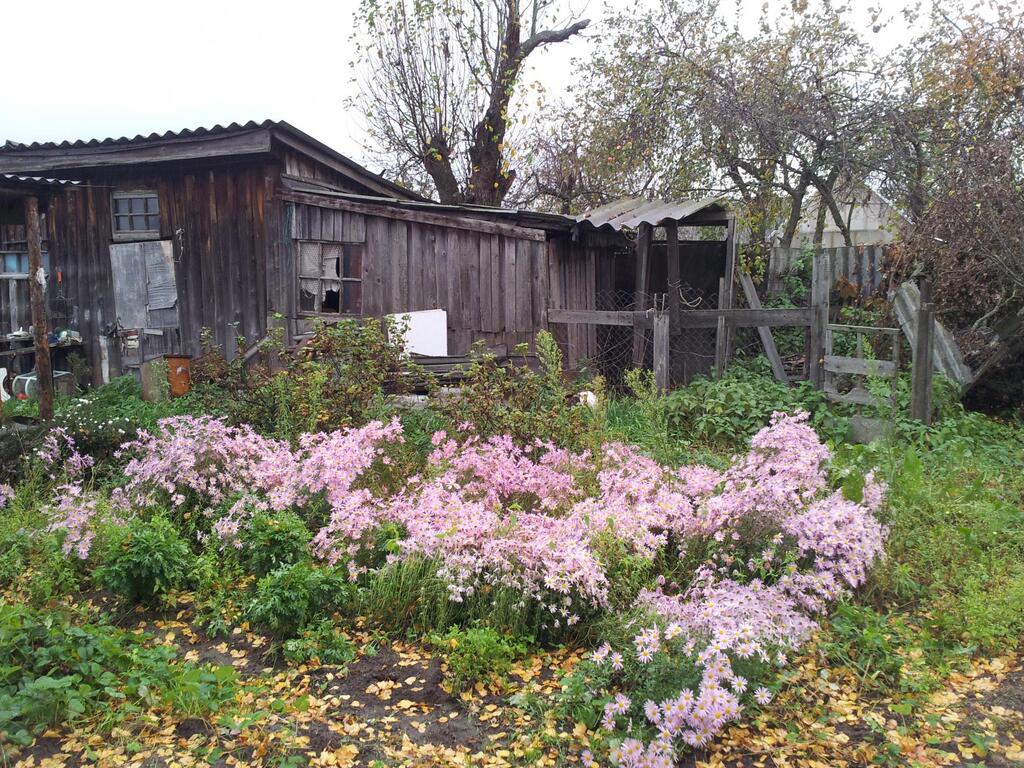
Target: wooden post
[(36, 288), (674, 279), (819, 303), (721, 343), (661, 350), (894, 395), (923, 361), (643, 279), (731, 257)]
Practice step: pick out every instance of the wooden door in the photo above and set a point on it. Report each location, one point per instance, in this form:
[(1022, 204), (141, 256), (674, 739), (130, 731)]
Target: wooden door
[(145, 299)]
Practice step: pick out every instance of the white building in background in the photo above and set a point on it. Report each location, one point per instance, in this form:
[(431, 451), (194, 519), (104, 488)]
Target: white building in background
[(872, 219)]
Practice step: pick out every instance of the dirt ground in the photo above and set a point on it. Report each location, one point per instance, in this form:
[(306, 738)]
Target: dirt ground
[(389, 707)]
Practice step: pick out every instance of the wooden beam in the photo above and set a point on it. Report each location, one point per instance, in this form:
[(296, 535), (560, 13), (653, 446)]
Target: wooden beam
[(691, 318), (859, 366), (643, 283), (40, 330), (594, 317), (424, 217), (770, 350)]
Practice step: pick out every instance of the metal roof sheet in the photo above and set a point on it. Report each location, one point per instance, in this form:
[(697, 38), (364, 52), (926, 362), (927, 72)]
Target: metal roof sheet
[(37, 180), (630, 212), (18, 146)]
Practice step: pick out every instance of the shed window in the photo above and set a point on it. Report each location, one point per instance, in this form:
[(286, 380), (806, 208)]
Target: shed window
[(136, 215), (330, 278)]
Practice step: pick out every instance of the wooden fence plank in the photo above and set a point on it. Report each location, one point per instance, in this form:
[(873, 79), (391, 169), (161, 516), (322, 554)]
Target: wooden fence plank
[(859, 366), (819, 306), (924, 345), (770, 350)]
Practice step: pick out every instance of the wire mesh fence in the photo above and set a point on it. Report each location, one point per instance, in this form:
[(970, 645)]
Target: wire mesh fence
[(620, 348), (616, 349)]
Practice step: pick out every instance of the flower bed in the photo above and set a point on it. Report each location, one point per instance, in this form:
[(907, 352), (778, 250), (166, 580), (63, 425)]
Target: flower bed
[(745, 559)]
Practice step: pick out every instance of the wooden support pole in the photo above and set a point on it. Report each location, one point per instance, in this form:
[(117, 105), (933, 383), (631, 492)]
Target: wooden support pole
[(674, 279), (819, 303), (923, 359), (36, 287), (643, 280), (720, 333), (661, 350), (731, 259)]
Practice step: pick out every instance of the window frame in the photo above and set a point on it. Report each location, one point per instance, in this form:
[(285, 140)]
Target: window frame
[(133, 235), (300, 276)]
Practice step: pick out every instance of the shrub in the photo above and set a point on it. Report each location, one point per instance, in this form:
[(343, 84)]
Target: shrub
[(728, 411), (339, 377), (323, 642), (145, 560), (514, 400), (477, 654), (273, 540), (103, 418), (57, 671), (293, 596)]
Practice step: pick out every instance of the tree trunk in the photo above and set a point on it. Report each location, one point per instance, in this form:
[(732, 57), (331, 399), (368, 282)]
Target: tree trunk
[(437, 162), (827, 202), (795, 211)]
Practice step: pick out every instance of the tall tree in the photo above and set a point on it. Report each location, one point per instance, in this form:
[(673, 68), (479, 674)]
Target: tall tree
[(767, 117), (956, 161), (437, 84)]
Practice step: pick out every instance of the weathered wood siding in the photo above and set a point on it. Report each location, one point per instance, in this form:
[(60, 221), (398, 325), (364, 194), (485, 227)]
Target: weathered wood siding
[(581, 275), (216, 221), (863, 266), (295, 163), (493, 286)]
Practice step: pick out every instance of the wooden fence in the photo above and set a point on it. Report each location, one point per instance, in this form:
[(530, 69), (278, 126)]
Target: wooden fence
[(862, 266), (823, 367)]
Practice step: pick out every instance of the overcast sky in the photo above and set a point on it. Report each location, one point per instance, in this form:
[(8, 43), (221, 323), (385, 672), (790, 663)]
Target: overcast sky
[(96, 68)]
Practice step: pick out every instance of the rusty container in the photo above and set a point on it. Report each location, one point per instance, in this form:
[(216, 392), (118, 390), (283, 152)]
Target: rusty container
[(179, 374)]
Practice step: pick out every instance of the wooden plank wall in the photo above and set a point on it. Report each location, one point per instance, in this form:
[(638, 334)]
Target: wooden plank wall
[(579, 274), (494, 287), (294, 163), (217, 221), (861, 265), (15, 310)]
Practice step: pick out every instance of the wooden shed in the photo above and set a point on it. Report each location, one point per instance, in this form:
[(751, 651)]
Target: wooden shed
[(226, 228)]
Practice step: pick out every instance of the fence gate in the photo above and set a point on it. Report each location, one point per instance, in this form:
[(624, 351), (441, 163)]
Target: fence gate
[(841, 368)]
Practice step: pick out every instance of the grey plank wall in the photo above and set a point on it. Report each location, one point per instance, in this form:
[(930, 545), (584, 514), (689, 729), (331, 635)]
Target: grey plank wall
[(494, 287), (862, 265)]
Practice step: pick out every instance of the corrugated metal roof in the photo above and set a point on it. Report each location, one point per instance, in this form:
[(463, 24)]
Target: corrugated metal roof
[(37, 180), (630, 212), (17, 146)]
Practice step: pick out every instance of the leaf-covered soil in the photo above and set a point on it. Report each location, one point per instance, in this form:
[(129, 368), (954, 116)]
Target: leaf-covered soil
[(391, 707)]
